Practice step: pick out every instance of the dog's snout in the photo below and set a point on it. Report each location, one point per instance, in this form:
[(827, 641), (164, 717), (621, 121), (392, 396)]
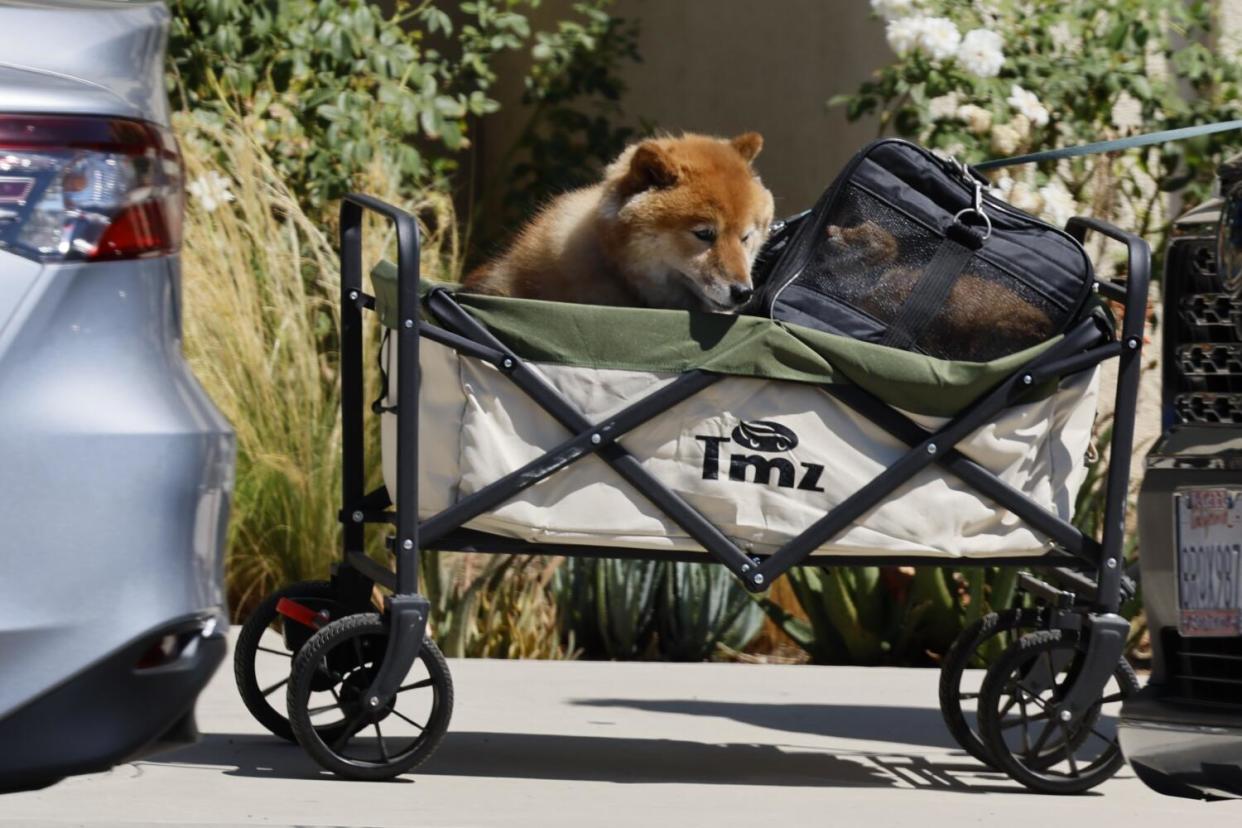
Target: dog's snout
[(741, 293)]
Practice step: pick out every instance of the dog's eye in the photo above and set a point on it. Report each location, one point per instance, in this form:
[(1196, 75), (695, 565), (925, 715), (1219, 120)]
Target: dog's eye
[(747, 235), (706, 234)]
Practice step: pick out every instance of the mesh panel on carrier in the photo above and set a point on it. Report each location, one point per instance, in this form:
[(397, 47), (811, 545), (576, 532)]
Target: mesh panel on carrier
[(906, 250)]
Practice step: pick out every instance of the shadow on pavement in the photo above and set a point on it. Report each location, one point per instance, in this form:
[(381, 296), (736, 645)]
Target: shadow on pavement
[(671, 761), (249, 754), (612, 759), (921, 726)]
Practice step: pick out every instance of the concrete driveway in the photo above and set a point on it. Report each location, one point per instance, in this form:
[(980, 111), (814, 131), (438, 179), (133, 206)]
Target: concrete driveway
[(602, 744)]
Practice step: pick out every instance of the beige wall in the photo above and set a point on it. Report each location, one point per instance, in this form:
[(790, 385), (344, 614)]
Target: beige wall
[(727, 66)]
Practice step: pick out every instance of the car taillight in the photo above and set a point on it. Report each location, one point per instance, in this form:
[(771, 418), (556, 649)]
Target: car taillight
[(76, 188)]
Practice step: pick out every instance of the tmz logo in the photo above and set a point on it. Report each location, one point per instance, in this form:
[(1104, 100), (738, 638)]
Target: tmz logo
[(745, 466)]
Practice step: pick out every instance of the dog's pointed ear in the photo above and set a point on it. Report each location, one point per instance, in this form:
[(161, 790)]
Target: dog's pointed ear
[(748, 145), (650, 167)]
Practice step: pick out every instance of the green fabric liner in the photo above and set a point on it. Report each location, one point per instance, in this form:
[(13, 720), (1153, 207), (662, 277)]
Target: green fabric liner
[(674, 341)]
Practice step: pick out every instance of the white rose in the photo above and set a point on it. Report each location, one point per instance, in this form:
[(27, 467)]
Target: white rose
[(1003, 186), (1155, 64), (210, 190), (939, 37), (981, 54), (1127, 112), (892, 9), (1027, 103), (943, 106), (977, 119), (1059, 205), (1005, 140), (1062, 37), (1025, 198), (903, 34)]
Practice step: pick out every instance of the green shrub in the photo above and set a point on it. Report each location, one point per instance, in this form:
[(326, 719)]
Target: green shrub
[(332, 85), (574, 91)]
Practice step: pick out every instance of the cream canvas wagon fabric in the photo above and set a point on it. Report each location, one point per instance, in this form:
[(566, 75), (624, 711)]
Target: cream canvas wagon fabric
[(763, 459)]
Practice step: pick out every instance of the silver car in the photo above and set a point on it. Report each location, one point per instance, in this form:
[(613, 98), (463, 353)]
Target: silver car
[(115, 467)]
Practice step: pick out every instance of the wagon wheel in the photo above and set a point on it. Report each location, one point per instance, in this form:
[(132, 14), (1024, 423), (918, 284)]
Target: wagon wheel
[(331, 674), (959, 695), (267, 644), (1017, 718)]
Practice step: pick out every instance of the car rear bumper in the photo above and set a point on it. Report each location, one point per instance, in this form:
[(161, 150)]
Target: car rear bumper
[(114, 501), (1183, 750), (124, 706)]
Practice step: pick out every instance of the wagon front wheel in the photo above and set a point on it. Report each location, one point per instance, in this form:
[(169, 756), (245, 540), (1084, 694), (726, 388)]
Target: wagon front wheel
[(1020, 723), (329, 681)]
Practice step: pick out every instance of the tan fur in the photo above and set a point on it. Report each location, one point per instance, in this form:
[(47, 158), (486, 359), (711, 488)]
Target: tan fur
[(981, 319), (630, 240)]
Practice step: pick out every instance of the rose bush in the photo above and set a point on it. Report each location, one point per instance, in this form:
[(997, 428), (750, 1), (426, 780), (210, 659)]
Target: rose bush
[(995, 78)]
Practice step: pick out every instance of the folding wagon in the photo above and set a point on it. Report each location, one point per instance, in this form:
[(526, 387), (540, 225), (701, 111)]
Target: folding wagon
[(521, 426)]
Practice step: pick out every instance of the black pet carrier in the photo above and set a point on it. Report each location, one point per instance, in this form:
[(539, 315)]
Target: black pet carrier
[(910, 250)]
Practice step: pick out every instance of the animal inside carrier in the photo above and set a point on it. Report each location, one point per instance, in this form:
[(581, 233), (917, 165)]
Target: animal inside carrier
[(759, 443)]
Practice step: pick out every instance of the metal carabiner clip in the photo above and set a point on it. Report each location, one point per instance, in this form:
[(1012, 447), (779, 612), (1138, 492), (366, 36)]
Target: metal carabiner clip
[(977, 209)]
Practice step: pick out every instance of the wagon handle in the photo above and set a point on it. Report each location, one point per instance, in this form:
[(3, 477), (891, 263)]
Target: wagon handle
[(407, 611), (1133, 293), (1138, 266), (352, 207)]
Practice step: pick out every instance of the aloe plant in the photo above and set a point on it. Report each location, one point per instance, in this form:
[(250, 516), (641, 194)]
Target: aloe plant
[(492, 606), (873, 615), (631, 609), (607, 605), (702, 606)]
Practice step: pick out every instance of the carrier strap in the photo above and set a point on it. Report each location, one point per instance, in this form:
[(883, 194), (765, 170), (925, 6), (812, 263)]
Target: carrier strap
[(929, 294), (1115, 145)]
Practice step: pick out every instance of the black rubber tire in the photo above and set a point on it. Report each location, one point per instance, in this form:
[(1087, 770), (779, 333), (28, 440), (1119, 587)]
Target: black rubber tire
[(1037, 775), (317, 594), (958, 659), (307, 664)]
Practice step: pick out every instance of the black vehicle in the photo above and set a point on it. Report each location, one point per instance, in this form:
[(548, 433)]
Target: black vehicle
[(1183, 732)]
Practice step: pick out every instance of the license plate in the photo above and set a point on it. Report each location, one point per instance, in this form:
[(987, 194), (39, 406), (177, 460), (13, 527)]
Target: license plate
[(1209, 561)]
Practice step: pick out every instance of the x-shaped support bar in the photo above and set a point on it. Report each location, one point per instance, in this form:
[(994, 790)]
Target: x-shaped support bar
[(600, 438)]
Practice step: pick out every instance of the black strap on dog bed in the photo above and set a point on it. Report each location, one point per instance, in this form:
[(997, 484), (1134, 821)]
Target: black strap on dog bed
[(931, 292), (378, 407)]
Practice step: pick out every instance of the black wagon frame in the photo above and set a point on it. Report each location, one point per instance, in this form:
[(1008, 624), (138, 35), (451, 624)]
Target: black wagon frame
[(1084, 346)]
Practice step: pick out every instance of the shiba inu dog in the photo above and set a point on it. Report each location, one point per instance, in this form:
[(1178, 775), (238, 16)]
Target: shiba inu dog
[(980, 320), (675, 223)]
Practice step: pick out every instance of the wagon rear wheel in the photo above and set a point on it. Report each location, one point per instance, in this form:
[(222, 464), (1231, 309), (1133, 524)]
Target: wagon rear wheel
[(267, 644), (1020, 725), (975, 647), (330, 677)]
